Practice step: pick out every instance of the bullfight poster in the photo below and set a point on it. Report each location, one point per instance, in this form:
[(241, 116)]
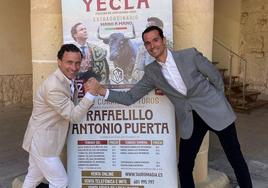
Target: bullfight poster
[(118, 146)]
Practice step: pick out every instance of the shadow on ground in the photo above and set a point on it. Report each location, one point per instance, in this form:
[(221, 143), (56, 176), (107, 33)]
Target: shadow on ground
[(252, 132)]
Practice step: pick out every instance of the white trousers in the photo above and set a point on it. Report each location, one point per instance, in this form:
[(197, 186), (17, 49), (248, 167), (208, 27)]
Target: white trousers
[(40, 167)]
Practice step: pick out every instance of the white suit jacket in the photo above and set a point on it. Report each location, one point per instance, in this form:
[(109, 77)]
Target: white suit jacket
[(53, 109)]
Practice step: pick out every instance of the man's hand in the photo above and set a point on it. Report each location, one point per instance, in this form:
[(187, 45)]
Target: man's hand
[(92, 86), (102, 91)]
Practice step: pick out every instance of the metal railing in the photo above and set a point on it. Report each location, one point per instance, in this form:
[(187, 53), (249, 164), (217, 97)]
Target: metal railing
[(243, 62)]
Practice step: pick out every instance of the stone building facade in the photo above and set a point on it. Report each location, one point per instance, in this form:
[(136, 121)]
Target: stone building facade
[(241, 24), (16, 90), (254, 42), (15, 53), (33, 33)]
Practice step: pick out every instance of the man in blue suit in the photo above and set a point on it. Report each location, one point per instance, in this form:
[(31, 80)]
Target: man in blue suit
[(196, 89)]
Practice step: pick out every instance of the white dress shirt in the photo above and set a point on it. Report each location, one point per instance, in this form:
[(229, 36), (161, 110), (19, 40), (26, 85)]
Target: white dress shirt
[(172, 74)]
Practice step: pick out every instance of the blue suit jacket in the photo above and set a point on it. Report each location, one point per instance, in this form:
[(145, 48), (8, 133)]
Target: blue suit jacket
[(205, 91)]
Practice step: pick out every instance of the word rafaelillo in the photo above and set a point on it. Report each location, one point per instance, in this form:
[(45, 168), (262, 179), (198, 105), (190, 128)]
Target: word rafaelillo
[(108, 115), (104, 5)]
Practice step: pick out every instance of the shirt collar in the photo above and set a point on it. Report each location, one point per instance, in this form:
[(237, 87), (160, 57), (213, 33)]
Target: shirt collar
[(71, 82), (169, 56), (79, 45)]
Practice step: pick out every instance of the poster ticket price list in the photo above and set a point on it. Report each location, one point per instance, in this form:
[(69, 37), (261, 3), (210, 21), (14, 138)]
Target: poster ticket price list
[(100, 154), (106, 179)]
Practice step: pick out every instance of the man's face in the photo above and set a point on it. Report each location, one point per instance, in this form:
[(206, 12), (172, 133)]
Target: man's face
[(81, 33), (154, 44), (70, 64)]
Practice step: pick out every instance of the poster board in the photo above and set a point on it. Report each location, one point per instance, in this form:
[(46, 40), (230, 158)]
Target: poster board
[(118, 146)]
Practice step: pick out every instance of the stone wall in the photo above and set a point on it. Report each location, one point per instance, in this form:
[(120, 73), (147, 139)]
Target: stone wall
[(15, 90), (226, 31), (254, 42)]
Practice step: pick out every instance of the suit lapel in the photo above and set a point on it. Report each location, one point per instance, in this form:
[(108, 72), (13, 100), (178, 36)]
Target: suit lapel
[(162, 80), (177, 58), (64, 81)]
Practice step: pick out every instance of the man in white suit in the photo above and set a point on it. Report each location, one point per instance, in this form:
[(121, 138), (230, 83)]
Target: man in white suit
[(196, 90), (53, 109)]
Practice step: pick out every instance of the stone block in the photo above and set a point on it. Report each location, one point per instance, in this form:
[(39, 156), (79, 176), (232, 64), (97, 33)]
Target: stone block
[(16, 90)]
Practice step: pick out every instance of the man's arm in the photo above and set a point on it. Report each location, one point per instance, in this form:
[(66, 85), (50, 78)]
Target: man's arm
[(143, 87), (63, 105), (209, 70)]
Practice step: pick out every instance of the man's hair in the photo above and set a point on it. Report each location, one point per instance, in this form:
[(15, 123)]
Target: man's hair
[(151, 28), (157, 21), (68, 48), (74, 31)]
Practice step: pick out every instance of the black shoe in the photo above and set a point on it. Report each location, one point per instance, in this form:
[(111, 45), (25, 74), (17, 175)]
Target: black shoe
[(42, 185)]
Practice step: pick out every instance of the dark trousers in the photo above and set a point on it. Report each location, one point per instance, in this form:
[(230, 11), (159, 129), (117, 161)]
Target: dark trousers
[(229, 141)]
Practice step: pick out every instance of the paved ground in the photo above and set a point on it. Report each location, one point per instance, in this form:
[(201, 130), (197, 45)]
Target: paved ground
[(13, 160), (252, 131)]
